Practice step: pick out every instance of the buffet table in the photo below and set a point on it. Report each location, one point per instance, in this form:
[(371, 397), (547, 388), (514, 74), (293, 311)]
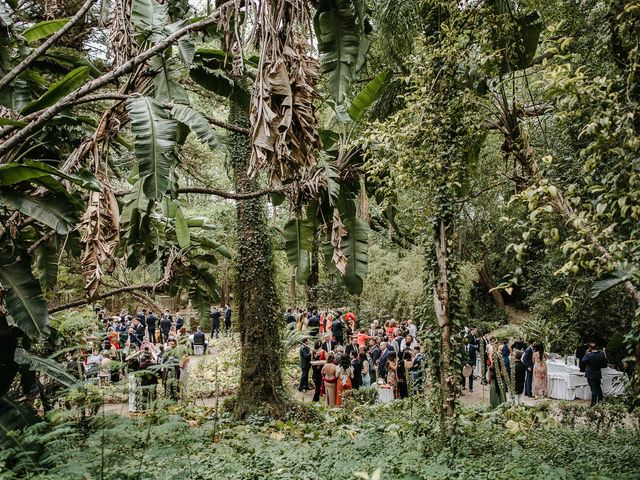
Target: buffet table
[(567, 382)]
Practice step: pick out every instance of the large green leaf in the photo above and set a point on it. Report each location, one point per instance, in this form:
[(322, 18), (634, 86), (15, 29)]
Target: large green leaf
[(196, 123), (368, 95), (23, 298), (337, 32), (209, 243), (186, 44), (55, 212), (72, 81), (212, 79), (150, 18), (200, 301), (182, 229), (12, 173), (611, 280), (154, 134), (46, 366), (165, 82), (47, 264), (43, 29), (355, 246), (298, 241), (62, 60)]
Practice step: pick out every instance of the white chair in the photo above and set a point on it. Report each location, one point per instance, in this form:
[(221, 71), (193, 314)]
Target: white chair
[(198, 349)]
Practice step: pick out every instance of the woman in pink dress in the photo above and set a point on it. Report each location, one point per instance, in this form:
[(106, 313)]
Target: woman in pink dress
[(540, 389)]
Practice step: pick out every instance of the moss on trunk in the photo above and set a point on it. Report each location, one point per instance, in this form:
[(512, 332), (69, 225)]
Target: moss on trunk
[(259, 320)]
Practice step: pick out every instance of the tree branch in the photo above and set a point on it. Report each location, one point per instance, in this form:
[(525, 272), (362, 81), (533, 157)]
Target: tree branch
[(24, 64), (227, 126), (99, 82), (145, 287), (220, 193)]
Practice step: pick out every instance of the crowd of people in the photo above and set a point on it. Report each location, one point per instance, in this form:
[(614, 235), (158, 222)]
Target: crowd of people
[(147, 349), (344, 357), (522, 366)]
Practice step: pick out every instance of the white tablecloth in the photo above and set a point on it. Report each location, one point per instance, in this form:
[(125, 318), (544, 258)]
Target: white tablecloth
[(385, 395), (567, 382)]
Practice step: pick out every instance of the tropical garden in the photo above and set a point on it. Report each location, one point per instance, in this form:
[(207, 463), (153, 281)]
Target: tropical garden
[(455, 163)]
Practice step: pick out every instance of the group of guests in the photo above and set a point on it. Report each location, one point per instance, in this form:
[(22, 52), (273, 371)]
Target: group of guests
[(132, 346), (523, 365), (125, 329), (343, 358)]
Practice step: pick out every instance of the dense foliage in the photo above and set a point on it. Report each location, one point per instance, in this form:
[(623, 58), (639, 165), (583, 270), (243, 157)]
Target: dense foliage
[(400, 439)]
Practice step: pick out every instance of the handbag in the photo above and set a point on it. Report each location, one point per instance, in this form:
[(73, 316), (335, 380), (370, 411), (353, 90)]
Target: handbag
[(467, 370)]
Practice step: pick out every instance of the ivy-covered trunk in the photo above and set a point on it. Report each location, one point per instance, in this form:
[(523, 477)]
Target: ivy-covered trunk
[(314, 273), (442, 305), (261, 384)]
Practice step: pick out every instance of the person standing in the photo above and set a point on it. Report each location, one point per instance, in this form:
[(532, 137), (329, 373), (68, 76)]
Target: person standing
[(329, 378), (539, 371), (382, 365), (215, 323), (337, 330), (344, 373), (413, 330), (469, 358), (357, 369), (317, 357), (227, 320), (165, 328), (527, 359), (139, 330), (305, 365), (374, 355), (365, 362), (151, 327), (313, 324), (594, 361), (179, 321), (520, 374)]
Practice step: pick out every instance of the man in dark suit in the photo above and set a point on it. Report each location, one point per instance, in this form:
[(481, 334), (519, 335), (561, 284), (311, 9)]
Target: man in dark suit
[(215, 322), (314, 324), (594, 361), (138, 329), (328, 345), (352, 347), (289, 317), (374, 353), (469, 358), (142, 316), (165, 327), (227, 319), (305, 365), (199, 339), (527, 359), (382, 366), (338, 330), (151, 326)]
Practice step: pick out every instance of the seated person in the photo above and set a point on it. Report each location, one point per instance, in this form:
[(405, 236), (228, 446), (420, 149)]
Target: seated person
[(199, 339)]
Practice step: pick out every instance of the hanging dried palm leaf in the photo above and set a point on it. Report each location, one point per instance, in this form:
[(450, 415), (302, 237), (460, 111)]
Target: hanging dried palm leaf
[(283, 119), (121, 36), (338, 231), (100, 224)]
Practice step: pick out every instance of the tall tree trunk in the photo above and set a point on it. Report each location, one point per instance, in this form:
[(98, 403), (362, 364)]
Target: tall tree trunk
[(292, 287), (487, 280), (442, 306), (261, 383), (314, 274)]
